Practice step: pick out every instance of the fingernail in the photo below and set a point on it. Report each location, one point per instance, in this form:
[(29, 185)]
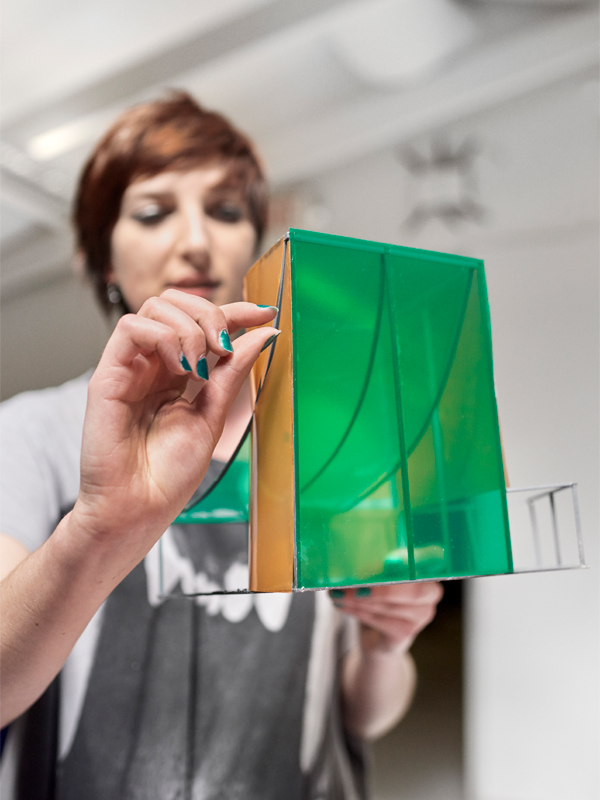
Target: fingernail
[(337, 593), (363, 591), (225, 341), (185, 363), (260, 305), (202, 368), (269, 341)]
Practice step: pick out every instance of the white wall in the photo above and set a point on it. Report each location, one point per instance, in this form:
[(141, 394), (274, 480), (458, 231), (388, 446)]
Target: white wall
[(50, 335), (532, 668), (532, 641)]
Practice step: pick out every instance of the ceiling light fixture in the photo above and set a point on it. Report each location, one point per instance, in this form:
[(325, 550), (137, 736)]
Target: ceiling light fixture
[(64, 138), (390, 41)]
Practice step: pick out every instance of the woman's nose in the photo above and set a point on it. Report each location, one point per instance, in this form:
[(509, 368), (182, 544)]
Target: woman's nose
[(193, 240)]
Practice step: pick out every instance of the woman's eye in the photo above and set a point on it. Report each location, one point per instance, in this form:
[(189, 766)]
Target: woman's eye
[(227, 212), (151, 215)]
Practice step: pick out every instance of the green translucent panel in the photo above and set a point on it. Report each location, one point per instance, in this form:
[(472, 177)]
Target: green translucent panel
[(227, 500), (398, 462), (340, 340)]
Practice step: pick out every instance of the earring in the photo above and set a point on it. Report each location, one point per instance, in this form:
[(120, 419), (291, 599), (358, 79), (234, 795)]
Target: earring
[(114, 294)]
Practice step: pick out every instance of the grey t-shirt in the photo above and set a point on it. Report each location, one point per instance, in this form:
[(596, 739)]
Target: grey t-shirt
[(225, 696)]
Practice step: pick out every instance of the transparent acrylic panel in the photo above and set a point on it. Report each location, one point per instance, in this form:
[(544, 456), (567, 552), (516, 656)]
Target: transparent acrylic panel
[(545, 528), (228, 498)]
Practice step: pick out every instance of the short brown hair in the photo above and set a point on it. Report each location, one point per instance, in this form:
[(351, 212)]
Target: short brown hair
[(175, 133)]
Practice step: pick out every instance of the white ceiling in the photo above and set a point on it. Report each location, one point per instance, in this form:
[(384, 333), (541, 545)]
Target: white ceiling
[(52, 48), (315, 82)]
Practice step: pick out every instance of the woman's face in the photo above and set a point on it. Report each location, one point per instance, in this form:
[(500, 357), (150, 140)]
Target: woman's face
[(183, 230)]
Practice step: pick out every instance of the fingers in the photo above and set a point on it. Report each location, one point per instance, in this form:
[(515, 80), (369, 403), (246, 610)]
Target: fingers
[(419, 615), (198, 326), (398, 611), (192, 340), (244, 315), (417, 593), (135, 335), (215, 321), (229, 373), (397, 632), (175, 331)]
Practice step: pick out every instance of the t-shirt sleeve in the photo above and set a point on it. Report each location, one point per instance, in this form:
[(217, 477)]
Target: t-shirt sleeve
[(30, 502)]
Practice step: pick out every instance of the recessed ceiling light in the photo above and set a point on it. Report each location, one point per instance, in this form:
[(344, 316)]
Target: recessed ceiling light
[(57, 141)]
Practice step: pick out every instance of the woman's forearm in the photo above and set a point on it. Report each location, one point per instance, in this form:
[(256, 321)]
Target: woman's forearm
[(47, 601), (377, 689)]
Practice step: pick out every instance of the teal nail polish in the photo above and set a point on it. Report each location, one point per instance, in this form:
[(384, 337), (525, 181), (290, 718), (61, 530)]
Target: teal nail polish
[(337, 593), (202, 368), (269, 341), (225, 341), (260, 305), (185, 363), (363, 591)]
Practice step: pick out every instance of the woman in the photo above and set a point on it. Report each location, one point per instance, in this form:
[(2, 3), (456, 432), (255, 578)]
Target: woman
[(237, 697)]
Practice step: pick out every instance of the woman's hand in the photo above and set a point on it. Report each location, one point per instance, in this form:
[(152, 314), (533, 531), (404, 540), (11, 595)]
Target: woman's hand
[(378, 678), (391, 616), (146, 448)]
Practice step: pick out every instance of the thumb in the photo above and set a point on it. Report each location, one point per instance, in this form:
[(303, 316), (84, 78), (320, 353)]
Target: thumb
[(229, 374)]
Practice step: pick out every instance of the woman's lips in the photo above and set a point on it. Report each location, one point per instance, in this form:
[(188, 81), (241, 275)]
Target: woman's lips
[(205, 289)]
